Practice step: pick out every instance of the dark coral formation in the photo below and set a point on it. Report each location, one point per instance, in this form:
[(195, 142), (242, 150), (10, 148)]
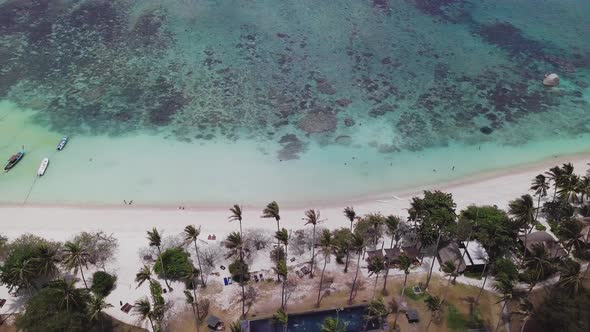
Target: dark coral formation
[(292, 147), (114, 66), (319, 121)]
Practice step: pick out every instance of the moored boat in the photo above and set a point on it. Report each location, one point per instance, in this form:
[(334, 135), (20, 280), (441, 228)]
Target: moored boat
[(62, 143), (43, 167), (14, 159)]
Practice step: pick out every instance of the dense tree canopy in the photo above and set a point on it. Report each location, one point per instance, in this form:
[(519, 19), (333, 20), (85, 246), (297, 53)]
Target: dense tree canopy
[(58, 307), (492, 228), (177, 263)]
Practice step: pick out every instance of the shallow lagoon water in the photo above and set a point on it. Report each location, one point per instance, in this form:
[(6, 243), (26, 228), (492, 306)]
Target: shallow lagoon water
[(211, 102)]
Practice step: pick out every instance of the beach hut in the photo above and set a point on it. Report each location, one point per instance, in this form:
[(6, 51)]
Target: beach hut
[(392, 255), (474, 256), (545, 239), (451, 252), (551, 80), (214, 323), (374, 253)]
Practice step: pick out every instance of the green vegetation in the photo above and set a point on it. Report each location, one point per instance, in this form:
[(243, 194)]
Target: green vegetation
[(409, 292), (58, 307), (176, 262), (102, 283), (239, 271), (473, 275), (456, 321)]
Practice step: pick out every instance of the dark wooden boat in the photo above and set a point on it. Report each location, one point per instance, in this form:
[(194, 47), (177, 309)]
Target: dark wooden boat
[(14, 159)]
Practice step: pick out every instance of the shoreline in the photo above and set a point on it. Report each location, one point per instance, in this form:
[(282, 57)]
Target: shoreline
[(382, 197), (129, 225)]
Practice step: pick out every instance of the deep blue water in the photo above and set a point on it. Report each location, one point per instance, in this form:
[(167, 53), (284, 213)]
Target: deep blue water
[(352, 318)]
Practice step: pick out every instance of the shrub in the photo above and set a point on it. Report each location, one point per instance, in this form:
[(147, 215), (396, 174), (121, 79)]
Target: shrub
[(176, 262), (540, 227), (237, 269), (102, 283)]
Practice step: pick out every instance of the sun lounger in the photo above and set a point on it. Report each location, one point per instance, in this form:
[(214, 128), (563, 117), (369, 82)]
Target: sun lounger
[(299, 274), (2, 302), (292, 259), (225, 281), (256, 278), (222, 267), (261, 276), (126, 308)]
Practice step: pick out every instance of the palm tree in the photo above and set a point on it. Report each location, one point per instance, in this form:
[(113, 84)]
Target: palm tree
[(436, 248), (190, 277), (357, 243), (144, 274), (405, 264), (155, 240), (143, 309), (391, 224), (450, 270), (191, 234), (571, 279), (376, 310), (570, 188), (96, 306), (283, 237), (236, 327), (485, 279), (282, 273), (326, 244), (522, 210), (351, 216), (75, 258), (22, 274), (68, 293), (506, 288), (434, 305), (236, 215), (46, 260), (330, 324), (282, 318), (235, 241), (554, 174), (272, 211), (539, 262), (312, 217), (583, 187), (540, 187), (376, 266)]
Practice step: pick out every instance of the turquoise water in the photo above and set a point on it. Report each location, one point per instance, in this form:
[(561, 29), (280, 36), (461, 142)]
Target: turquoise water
[(210, 102)]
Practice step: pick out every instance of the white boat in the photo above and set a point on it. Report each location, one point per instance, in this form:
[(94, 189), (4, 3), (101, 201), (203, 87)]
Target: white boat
[(43, 167)]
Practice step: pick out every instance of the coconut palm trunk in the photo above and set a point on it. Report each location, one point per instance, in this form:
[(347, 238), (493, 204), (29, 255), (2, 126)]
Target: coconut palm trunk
[(82, 274), (358, 267), (312, 253), (375, 286), (384, 291), (199, 262), (347, 254), (501, 314), (429, 322), (482, 288), (433, 259), (321, 281), (196, 304), (401, 301)]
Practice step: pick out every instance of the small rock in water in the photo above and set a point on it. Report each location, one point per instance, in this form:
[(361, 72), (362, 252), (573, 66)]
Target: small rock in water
[(551, 80)]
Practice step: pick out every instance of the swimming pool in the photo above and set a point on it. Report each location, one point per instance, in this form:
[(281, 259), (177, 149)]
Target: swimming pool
[(351, 317)]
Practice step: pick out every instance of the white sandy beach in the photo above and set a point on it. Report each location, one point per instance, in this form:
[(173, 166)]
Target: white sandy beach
[(129, 224)]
